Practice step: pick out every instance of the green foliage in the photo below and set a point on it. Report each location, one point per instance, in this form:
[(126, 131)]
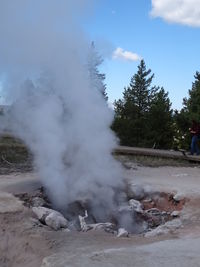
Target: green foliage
[(160, 121), (181, 133), (130, 112), (192, 103), (144, 116), (189, 112)]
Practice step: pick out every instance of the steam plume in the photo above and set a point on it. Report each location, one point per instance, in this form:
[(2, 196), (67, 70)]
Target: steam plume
[(56, 108)]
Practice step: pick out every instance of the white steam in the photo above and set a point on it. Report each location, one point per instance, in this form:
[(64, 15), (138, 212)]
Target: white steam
[(58, 112)]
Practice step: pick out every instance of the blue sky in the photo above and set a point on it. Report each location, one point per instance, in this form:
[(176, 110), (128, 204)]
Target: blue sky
[(167, 39)]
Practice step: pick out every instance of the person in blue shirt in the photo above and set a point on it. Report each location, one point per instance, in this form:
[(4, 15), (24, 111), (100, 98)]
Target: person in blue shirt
[(195, 132)]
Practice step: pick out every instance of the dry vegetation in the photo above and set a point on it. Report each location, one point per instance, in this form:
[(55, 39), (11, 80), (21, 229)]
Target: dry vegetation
[(14, 155)]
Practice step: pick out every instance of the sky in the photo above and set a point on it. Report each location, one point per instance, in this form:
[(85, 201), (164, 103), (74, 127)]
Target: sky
[(165, 33)]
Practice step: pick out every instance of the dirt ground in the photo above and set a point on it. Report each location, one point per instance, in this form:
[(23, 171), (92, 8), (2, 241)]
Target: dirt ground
[(25, 243)]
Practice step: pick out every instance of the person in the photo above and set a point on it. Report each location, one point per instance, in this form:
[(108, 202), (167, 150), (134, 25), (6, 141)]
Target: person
[(195, 131)]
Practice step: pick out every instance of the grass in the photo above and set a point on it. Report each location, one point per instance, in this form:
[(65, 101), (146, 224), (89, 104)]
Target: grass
[(12, 150)]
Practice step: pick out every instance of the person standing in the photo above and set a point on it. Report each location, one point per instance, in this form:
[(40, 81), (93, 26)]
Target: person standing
[(195, 131)]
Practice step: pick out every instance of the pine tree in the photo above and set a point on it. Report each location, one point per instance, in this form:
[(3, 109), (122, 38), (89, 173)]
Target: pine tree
[(181, 125), (140, 88), (97, 79), (131, 112), (160, 121), (190, 111), (192, 104)]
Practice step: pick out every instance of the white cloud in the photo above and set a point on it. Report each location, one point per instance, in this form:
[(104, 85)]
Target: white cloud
[(120, 53), (186, 12)]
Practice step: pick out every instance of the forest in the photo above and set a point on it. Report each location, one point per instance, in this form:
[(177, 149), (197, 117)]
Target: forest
[(144, 116)]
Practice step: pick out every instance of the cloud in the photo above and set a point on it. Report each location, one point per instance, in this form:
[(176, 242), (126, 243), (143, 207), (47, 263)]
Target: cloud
[(120, 53), (186, 12)]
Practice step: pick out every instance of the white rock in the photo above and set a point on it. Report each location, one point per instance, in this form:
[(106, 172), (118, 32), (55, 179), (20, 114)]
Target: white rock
[(84, 226), (160, 230), (136, 205), (173, 224), (175, 213), (166, 228), (93, 226), (97, 226), (41, 212), (56, 221), (122, 233), (50, 217), (102, 226), (135, 191), (178, 197)]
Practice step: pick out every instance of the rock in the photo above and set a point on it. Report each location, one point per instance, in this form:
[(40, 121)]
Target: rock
[(160, 230), (154, 211), (9, 203), (175, 213), (107, 227), (38, 202), (156, 217), (166, 228), (131, 220), (178, 197), (84, 226), (41, 213), (135, 191), (122, 233), (173, 224), (136, 205), (56, 221), (50, 217)]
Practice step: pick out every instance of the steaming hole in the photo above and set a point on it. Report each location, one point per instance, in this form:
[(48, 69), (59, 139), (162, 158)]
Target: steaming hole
[(156, 210)]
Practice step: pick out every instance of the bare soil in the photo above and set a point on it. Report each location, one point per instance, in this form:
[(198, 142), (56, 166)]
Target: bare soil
[(25, 243)]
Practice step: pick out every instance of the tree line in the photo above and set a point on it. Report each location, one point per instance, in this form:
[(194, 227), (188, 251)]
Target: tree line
[(144, 116)]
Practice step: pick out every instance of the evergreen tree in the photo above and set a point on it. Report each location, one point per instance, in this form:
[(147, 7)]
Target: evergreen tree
[(97, 79), (182, 123), (160, 121), (192, 104), (189, 112), (131, 113)]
